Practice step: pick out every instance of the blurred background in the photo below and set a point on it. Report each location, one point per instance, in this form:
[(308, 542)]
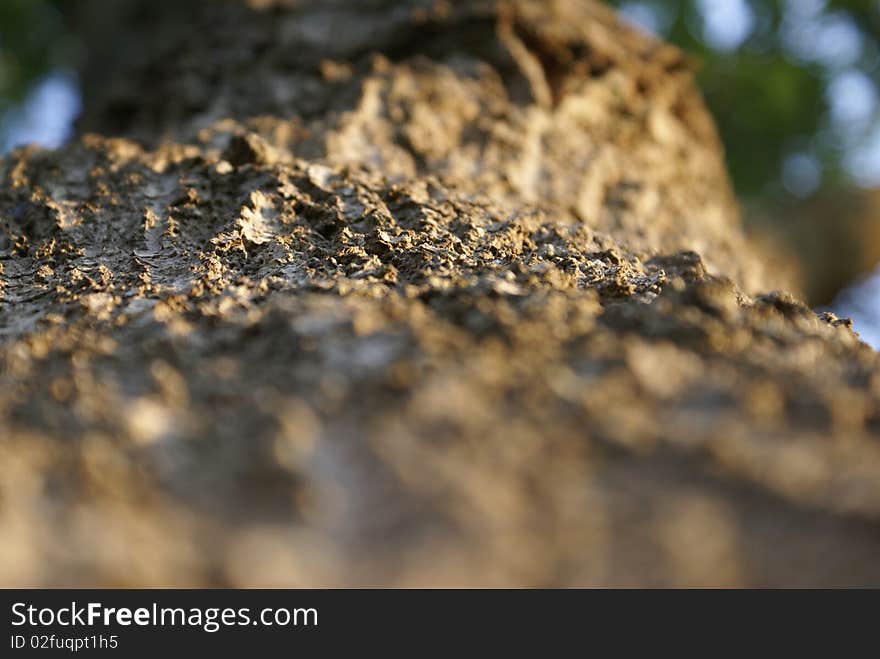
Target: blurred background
[(793, 84)]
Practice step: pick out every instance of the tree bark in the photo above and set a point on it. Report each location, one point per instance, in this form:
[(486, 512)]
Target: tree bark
[(411, 293)]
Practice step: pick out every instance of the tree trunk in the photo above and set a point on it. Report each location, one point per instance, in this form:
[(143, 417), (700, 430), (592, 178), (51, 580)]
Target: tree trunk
[(410, 293)]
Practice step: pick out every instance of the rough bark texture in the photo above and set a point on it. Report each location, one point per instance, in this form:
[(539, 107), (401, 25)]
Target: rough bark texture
[(547, 103), (412, 293)]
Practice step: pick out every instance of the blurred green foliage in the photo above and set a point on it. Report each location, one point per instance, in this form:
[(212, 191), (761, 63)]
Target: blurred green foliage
[(33, 40), (792, 83)]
